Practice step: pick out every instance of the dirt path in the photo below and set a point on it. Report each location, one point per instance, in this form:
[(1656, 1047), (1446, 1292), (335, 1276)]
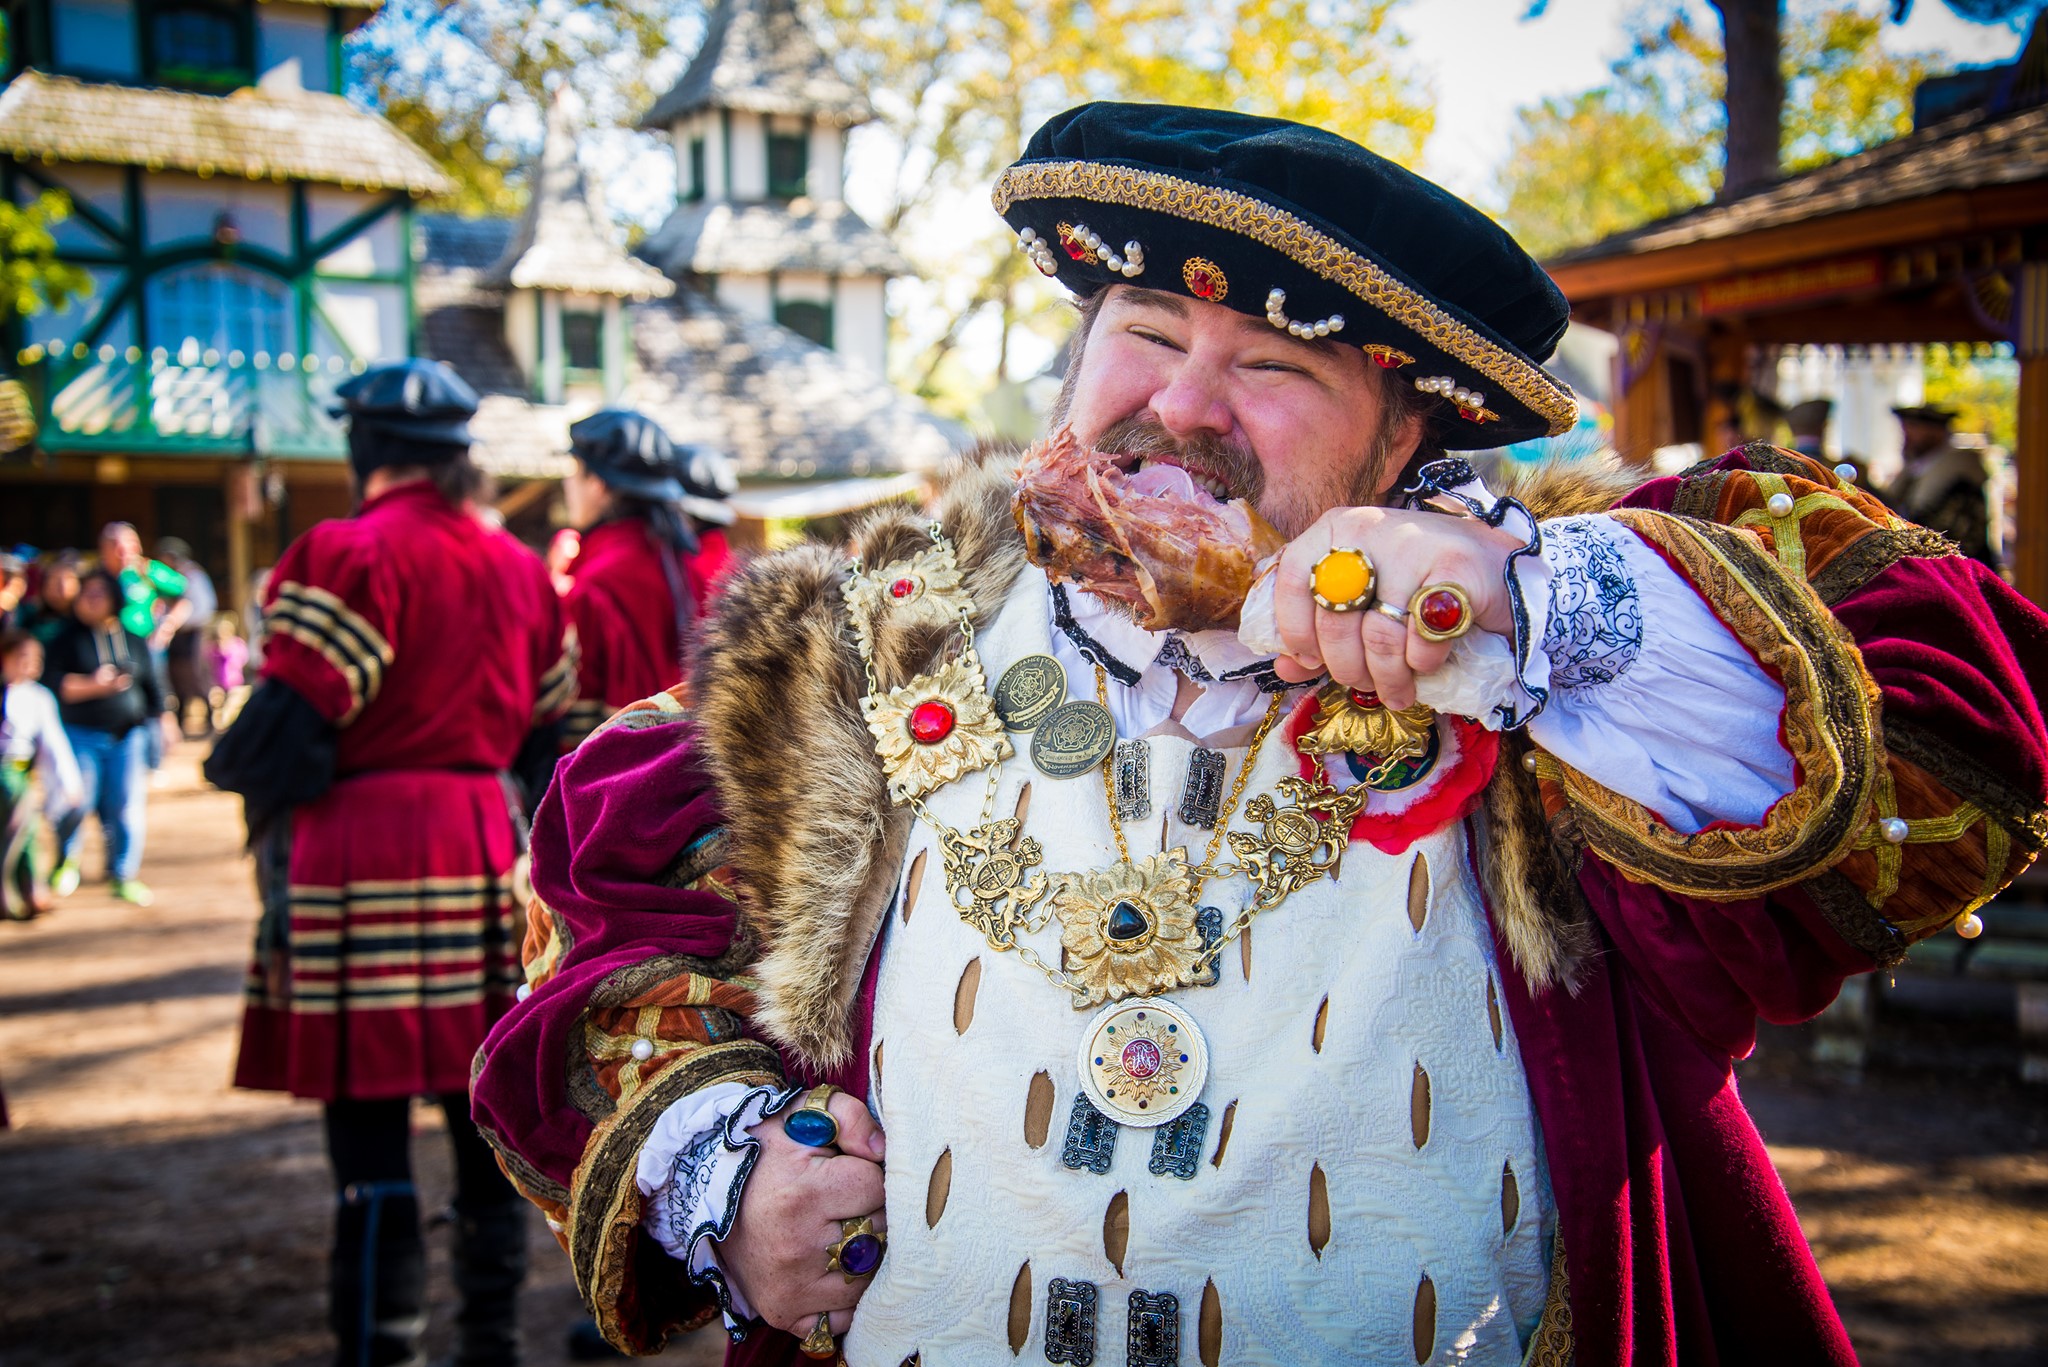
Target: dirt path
[(154, 1215)]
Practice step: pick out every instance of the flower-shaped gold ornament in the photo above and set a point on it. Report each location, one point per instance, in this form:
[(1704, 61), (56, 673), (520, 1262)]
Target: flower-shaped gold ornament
[(935, 728), (1355, 723), (925, 590), (1129, 930)]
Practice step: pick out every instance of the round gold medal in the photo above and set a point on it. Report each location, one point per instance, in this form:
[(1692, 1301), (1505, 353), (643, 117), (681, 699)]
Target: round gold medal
[(1073, 739), (1143, 1061), (1029, 691)]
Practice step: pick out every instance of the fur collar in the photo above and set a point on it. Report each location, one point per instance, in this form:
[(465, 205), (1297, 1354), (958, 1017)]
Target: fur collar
[(813, 837)]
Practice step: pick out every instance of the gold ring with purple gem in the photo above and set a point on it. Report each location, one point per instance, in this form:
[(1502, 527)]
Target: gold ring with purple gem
[(818, 1343), (859, 1250), (811, 1124), (1342, 580), (1441, 612)]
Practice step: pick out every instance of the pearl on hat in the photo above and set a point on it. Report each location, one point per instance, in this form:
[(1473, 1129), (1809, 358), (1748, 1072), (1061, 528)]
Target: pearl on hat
[(1846, 473), (1894, 829), (1780, 505), (643, 1049), (1276, 314), (1969, 925)]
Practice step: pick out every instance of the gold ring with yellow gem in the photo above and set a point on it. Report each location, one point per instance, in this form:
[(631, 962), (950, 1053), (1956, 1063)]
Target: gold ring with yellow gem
[(1342, 580)]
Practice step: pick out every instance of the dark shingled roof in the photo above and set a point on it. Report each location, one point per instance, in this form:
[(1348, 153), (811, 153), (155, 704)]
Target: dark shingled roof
[(257, 132), (1968, 152), (759, 55), (759, 239), (565, 240), (778, 404)]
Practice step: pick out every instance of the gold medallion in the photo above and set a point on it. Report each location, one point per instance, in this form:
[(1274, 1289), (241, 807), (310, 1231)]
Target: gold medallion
[(935, 728), (1073, 739), (1143, 1061), (1351, 722), (1029, 691), (1129, 930)]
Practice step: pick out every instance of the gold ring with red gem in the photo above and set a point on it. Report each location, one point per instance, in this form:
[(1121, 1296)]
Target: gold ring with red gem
[(1441, 612), (1342, 580), (818, 1343)]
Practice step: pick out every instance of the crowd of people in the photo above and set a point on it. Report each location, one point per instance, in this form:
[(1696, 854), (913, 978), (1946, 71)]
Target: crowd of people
[(109, 659)]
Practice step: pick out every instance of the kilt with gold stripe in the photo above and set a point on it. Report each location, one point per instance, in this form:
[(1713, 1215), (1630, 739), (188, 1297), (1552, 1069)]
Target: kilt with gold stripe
[(402, 946)]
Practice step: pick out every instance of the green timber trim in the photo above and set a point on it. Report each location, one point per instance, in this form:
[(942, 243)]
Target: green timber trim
[(405, 269)]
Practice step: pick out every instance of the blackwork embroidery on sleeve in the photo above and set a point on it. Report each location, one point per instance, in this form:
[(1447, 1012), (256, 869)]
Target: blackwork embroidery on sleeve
[(697, 1167), (1596, 614)]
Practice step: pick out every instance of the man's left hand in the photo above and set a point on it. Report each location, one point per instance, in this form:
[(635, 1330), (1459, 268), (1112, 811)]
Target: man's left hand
[(1369, 650)]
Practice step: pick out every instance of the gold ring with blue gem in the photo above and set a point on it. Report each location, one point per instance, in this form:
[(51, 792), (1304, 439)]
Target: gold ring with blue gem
[(811, 1124)]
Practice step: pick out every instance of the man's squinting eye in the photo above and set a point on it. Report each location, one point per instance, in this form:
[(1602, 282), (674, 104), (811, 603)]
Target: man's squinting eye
[(1144, 333)]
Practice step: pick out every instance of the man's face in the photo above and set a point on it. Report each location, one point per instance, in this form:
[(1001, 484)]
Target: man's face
[(1291, 425), (118, 549), (1921, 435)]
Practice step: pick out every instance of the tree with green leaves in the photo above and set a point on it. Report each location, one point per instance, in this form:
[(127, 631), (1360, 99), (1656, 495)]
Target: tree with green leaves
[(959, 84), (468, 79), (1649, 143), (31, 277)]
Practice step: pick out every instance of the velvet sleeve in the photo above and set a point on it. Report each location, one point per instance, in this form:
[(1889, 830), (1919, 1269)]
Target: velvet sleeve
[(634, 999), (327, 621), (1913, 680)]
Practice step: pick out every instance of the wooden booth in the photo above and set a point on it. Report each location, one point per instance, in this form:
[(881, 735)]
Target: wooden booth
[(1940, 237)]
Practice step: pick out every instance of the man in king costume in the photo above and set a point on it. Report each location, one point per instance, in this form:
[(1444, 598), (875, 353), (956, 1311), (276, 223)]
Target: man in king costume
[(1097, 922)]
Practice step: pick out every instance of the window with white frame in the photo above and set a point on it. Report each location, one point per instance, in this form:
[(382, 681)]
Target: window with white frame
[(222, 308)]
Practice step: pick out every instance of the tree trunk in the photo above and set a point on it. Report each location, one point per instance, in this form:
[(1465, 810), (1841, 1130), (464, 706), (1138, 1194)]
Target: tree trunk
[(1750, 33)]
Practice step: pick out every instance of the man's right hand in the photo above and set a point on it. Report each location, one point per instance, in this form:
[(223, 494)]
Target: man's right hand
[(778, 1254)]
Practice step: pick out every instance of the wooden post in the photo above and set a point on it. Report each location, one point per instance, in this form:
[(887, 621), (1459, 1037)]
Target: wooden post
[(2030, 452)]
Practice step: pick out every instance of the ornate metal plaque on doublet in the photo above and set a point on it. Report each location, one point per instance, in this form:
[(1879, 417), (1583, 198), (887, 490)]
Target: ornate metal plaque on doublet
[(1029, 691), (1073, 739), (1201, 797), (1153, 1335), (1070, 1322), (1133, 766), (1209, 926), (1177, 1145), (1091, 1139), (1143, 1061)]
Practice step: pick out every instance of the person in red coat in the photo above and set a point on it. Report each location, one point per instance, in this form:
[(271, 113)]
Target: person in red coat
[(1614, 767), (651, 516), (413, 654)]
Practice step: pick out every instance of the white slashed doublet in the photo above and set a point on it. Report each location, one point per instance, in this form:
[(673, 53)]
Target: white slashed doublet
[(1414, 1109)]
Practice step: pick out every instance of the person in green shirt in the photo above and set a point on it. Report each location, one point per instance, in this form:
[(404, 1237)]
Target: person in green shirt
[(143, 583)]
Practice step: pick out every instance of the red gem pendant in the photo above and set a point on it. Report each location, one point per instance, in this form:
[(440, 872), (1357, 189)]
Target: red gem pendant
[(903, 588), (931, 721), (1441, 611), (1363, 698)]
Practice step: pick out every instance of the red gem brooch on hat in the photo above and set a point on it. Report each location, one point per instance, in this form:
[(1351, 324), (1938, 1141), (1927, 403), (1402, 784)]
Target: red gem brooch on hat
[(1205, 279)]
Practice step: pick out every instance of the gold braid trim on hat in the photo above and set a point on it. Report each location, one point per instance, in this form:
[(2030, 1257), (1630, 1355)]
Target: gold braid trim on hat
[(1306, 246)]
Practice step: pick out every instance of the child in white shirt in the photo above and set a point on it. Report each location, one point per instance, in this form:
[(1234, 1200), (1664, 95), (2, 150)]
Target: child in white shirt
[(30, 736)]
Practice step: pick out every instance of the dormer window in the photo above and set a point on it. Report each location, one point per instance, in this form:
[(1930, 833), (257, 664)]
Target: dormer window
[(696, 169), (583, 345), (789, 165), (200, 46)]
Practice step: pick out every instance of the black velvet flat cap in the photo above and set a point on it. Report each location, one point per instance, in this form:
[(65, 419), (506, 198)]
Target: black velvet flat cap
[(630, 452), (1308, 231), (422, 401)]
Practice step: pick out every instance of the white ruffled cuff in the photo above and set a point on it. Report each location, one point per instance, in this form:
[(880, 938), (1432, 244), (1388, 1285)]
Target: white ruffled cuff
[(1651, 696), (692, 1171)]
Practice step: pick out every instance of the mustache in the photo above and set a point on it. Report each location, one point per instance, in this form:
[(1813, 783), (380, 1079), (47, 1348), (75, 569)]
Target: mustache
[(1233, 464)]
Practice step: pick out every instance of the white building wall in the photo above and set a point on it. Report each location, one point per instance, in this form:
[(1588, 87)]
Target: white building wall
[(294, 32), (860, 323), (180, 209), (717, 179), (522, 331), (748, 294), (802, 285), (379, 250), (828, 161), (369, 317), (99, 186), (96, 38), (749, 157)]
